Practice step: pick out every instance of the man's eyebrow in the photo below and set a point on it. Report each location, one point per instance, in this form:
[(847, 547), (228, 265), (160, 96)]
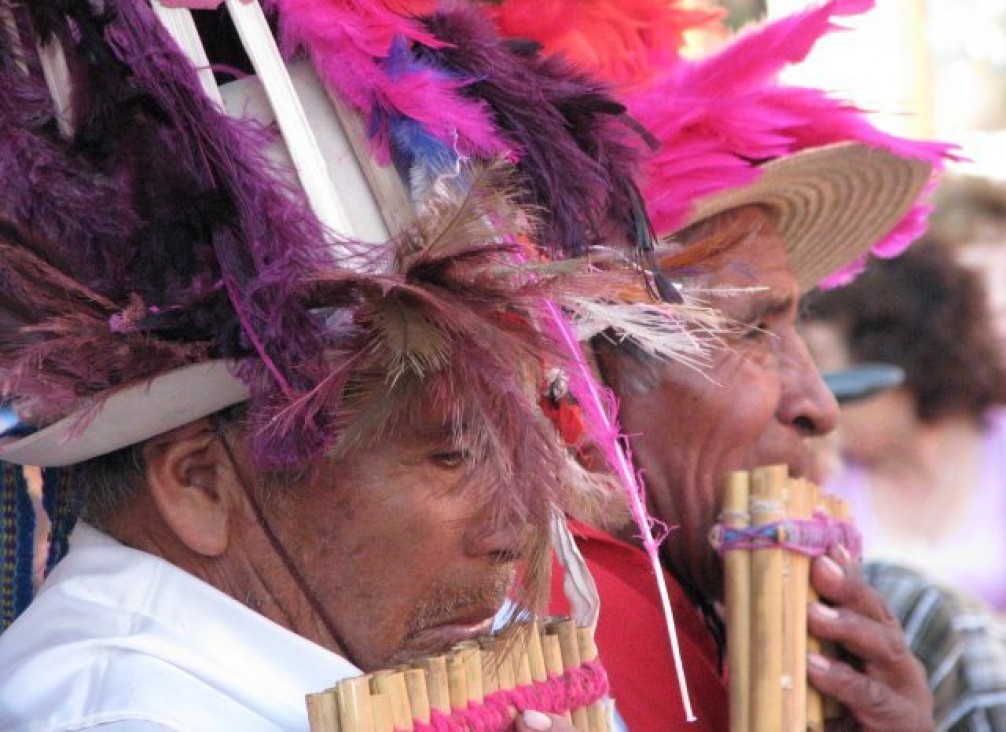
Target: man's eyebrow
[(436, 431), (768, 306)]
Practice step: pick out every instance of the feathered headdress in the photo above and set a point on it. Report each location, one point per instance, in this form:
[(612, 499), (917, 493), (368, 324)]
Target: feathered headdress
[(435, 82), (158, 238), (150, 243), (721, 118)]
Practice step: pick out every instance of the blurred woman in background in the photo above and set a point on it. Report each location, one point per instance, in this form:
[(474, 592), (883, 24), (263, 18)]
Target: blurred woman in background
[(924, 465)]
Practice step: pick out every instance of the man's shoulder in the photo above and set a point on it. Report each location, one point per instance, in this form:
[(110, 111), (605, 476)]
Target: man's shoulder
[(959, 639)]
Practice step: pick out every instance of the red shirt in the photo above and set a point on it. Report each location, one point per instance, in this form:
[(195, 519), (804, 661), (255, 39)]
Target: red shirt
[(633, 643)]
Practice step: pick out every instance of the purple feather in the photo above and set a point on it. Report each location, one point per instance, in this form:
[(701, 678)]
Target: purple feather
[(161, 200), (576, 153)]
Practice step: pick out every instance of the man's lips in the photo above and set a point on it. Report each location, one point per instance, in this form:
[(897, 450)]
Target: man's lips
[(443, 636)]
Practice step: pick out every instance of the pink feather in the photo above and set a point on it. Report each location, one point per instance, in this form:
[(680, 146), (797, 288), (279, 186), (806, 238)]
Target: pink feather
[(618, 40), (718, 117), (349, 39)]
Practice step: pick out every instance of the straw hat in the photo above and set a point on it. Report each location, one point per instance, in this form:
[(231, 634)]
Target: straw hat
[(833, 203)]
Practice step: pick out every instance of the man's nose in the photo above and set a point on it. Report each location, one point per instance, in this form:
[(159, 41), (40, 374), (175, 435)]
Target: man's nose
[(498, 534), (806, 403)]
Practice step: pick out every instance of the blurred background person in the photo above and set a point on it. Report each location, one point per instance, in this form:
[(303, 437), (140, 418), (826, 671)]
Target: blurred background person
[(923, 465), (970, 215)]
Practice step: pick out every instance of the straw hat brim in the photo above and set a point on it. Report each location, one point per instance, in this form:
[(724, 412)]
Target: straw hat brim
[(833, 203), (131, 415)]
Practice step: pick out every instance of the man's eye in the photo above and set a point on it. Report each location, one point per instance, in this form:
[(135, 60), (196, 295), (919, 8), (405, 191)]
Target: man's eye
[(755, 331), (450, 458)]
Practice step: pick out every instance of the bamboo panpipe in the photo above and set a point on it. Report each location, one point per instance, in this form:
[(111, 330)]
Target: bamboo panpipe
[(766, 517), (463, 681)]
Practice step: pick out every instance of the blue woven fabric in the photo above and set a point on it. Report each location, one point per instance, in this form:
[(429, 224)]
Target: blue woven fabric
[(17, 543), (58, 503)]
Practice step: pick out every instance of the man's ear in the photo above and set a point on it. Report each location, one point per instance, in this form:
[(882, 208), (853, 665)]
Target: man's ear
[(193, 483), (621, 370)]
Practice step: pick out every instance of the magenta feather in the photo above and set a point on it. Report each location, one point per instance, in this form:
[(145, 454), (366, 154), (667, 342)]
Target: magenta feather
[(575, 150), (717, 118), (350, 43)]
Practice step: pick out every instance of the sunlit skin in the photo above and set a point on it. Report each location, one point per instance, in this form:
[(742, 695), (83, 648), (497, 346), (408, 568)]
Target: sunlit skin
[(381, 556), (392, 542), (760, 402), (757, 403)]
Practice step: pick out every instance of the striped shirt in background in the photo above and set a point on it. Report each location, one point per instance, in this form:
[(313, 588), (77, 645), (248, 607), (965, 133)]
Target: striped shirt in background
[(960, 641)]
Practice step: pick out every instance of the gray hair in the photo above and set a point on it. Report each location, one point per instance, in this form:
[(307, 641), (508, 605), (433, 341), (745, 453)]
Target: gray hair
[(105, 483)]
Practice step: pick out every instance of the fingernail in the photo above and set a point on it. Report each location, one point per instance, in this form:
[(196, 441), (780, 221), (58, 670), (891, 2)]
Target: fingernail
[(537, 721), (842, 554), (832, 567), (817, 661), (824, 611)]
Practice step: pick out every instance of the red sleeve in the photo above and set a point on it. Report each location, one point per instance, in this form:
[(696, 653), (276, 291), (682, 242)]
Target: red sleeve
[(633, 644)]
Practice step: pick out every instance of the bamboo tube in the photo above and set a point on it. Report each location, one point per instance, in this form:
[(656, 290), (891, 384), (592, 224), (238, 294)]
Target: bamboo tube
[(380, 708), (565, 631), (392, 685), (535, 654), (436, 683), (815, 702), (517, 651), (767, 486), (597, 720), (457, 683), (353, 701), (490, 670), (737, 597), (552, 653), (838, 510), (471, 657), (795, 630), (505, 671), (786, 715), (323, 712), (419, 698)]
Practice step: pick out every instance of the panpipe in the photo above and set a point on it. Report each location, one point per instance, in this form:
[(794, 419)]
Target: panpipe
[(770, 528), (547, 665)]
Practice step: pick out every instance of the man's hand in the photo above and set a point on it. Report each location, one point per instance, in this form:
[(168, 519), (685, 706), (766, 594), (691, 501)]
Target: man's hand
[(883, 686), (540, 722)]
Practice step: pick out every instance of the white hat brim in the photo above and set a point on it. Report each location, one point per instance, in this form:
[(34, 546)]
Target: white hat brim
[(166, 401), (833, 203), (131, 415)]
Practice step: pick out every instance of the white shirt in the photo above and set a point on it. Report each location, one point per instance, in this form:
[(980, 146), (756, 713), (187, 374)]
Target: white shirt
[(123, 640)]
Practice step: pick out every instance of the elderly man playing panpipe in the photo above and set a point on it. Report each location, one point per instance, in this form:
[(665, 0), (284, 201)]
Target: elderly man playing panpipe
[(786, 187), (278, 456)]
